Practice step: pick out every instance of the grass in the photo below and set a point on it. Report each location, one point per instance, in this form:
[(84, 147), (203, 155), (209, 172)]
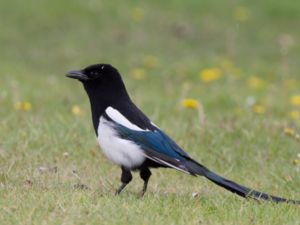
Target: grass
[(51, 171)]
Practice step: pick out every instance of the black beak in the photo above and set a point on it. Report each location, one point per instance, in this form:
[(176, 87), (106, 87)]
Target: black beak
[(77, 74)]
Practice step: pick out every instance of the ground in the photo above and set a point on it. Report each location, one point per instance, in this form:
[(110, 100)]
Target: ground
[(221, 78)]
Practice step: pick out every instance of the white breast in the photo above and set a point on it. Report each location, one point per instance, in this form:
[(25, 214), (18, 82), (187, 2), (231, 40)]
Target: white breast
[(120, 151)]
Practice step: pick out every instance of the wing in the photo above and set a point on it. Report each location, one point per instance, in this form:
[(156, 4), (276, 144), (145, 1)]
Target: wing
[(156, 145)]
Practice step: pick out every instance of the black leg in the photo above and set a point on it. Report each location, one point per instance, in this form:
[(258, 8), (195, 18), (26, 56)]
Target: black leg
[(126, 177), (145, 174)]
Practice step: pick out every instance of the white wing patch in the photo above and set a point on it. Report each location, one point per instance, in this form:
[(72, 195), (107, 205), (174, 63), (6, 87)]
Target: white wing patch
[(120, 119), (121, 151)]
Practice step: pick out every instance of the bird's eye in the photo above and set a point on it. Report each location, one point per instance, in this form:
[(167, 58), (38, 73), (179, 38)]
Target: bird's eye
[(94, 73)]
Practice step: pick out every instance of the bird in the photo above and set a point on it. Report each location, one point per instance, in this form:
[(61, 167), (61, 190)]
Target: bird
[(131, 140)]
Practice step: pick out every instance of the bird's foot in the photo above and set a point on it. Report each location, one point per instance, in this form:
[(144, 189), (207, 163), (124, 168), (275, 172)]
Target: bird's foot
[(144, 190), (120, 189)]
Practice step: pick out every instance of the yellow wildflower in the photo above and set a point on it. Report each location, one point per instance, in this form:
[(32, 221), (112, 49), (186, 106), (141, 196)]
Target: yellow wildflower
[(295, 162), (295, 115), (137, 14), (289, 131), (150, 61), (23, 106), (295, 100), (210, 74), (138, 74), (255, 82), (241, 14), (190, 103), (76, 110), (259, 109)]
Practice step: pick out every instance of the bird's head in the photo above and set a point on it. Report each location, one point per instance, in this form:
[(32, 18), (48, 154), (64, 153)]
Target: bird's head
[(97, 73), (100, 80)]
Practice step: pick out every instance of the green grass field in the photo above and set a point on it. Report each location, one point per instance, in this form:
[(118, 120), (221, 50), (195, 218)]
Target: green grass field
[(238, 59)]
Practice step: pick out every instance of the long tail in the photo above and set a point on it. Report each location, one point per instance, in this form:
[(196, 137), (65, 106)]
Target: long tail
[(198, 169)]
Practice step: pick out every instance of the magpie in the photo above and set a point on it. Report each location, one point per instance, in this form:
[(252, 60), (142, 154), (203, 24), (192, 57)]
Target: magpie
[(129, 139)]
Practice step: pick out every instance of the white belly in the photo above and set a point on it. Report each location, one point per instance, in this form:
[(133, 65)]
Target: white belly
[(120, 151)]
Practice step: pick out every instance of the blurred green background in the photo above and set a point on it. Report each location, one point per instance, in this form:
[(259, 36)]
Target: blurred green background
[(220, 77)]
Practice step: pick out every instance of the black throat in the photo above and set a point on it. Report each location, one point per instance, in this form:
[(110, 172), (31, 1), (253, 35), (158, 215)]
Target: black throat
[(103, 95)]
